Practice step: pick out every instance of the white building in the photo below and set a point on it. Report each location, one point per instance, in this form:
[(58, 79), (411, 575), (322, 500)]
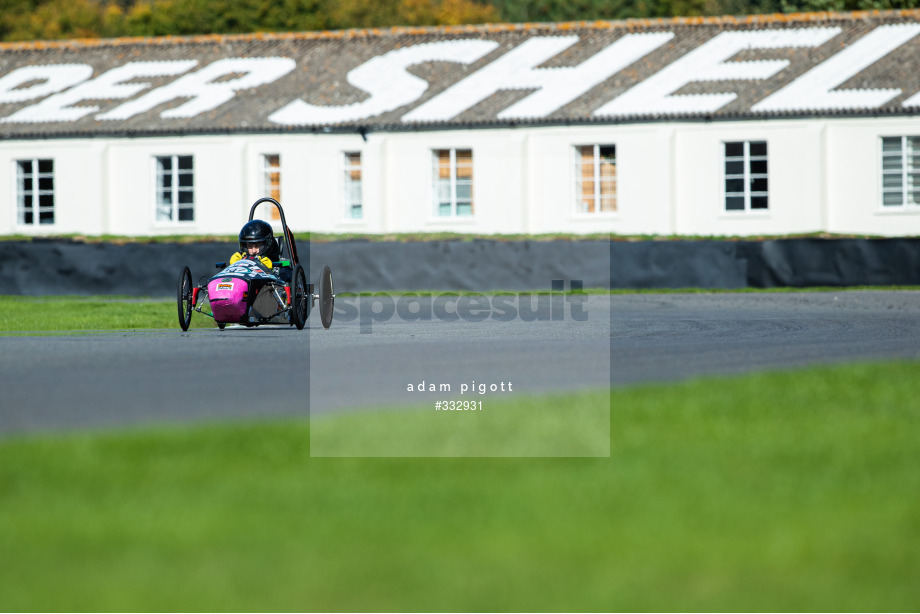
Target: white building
[(757, 126)]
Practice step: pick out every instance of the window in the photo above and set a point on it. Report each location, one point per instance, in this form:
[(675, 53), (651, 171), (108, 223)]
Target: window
[(453, 182), (900, 171), (746, 176), (352, 185), (596, 178), (175, 189), (35, 192), (271, 183)]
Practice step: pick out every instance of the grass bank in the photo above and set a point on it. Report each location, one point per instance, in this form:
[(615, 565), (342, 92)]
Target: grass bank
[(29, 315), (781, 491)]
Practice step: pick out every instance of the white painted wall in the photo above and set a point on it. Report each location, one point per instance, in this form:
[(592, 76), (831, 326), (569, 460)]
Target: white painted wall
[(78, 179), (854, 185), (824, 175), (219, 182), (497, 181), (795, 168), (643, 179)]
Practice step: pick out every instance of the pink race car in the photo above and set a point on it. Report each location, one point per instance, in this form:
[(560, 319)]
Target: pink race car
[(248, 293)]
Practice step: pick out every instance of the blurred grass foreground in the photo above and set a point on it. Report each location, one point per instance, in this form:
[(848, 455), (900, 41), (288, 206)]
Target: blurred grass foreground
[(781, 491)]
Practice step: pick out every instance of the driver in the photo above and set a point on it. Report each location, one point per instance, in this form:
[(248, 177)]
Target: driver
[(256, 239)]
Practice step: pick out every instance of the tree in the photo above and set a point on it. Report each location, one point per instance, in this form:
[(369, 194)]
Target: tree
[(51, 19), (55, 19)]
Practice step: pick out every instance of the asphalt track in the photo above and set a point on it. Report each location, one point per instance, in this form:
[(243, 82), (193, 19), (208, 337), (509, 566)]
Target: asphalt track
[(376, 349)]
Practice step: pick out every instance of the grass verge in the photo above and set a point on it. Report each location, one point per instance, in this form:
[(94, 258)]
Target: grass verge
[(29, 315), (780, 491), (571, 425)]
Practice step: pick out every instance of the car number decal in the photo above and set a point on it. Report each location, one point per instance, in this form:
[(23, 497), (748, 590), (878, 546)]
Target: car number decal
[(249, 270)]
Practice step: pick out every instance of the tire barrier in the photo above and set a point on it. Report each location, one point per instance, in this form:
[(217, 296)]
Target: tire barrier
[(64, 267)]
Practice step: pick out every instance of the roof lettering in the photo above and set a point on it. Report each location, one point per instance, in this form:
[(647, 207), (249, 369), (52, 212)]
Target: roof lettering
[(847, 63), (204, 87), (108, 86), (554, 87), (813, 89), (386, 80), (708, 62), (44, 80)]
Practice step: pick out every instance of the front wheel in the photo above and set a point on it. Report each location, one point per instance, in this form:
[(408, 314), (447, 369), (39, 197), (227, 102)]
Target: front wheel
[(184, 298), (326, 296), (298, 297)]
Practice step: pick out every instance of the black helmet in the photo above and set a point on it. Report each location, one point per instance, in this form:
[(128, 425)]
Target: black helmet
[(257, 232)]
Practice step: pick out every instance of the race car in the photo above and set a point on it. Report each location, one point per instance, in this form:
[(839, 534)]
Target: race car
[(248, 293)]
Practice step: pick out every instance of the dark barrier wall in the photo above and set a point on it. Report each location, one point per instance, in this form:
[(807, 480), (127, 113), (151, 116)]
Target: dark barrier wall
[(838, 262), (43, 267)]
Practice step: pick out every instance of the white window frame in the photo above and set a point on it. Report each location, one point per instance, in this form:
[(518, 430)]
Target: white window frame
[(596, 197), (269, 211), (352, 204), (747, 177), (174, 205), (452, 185), (908, 174), (36, 192)]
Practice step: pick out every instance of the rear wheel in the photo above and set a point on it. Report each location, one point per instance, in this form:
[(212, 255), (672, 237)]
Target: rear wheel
[(326, 296), (298, 297), (184, 298)]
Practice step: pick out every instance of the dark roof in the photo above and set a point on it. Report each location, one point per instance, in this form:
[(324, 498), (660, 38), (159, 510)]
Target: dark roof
[(795, 52)]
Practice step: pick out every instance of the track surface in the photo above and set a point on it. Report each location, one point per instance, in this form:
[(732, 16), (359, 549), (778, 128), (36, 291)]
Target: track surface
[(137, 377)]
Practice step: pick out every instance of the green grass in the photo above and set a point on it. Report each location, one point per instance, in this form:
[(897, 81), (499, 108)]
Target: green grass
[(783, 491), (577, 424), (26, 314)]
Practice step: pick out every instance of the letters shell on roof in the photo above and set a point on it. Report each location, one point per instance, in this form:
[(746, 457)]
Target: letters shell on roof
[(701, 69)]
